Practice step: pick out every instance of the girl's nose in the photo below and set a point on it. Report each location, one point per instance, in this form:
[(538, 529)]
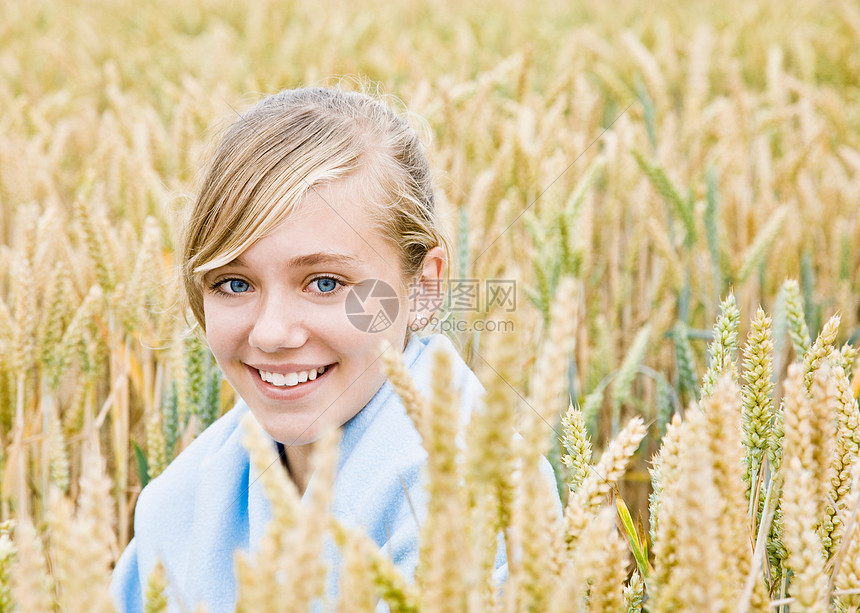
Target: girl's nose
[(279, 325)]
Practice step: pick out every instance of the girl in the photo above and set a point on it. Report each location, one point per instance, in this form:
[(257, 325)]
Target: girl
[(314, 225)]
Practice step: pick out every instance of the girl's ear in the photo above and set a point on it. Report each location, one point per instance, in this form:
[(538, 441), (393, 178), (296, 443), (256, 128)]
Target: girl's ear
[(427, 294)]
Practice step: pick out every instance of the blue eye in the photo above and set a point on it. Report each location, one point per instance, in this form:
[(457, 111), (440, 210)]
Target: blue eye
[(237, 286), (326, 284)]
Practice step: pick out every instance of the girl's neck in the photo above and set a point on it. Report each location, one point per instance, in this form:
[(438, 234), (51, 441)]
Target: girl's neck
[(297, 462)]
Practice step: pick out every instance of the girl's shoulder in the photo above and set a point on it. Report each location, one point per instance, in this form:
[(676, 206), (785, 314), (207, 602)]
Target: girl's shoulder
[(463, 378), (178, 481)]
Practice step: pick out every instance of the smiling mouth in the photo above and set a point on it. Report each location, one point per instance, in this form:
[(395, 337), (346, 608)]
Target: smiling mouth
[(292, 379)]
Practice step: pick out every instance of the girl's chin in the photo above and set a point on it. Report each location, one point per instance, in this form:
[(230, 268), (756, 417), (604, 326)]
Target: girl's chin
[(297, 435), (291, 438), (294, 432)]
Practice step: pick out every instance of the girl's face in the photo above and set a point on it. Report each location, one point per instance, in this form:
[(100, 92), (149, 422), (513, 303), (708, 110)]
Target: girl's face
[(277, 316)]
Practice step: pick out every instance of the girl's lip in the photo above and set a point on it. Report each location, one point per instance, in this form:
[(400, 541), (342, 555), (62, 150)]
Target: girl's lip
[(283, 392), (286, 368)]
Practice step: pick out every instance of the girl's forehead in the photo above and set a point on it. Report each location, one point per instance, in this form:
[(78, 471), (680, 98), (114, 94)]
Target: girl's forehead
[(346, 213), (332, 219), (352, 200), (326, 204)]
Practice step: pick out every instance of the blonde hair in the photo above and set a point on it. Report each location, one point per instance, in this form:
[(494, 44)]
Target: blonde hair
[(292, 142)]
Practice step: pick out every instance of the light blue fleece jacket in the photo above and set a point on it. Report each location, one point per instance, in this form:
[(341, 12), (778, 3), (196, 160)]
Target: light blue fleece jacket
[(206, 505)]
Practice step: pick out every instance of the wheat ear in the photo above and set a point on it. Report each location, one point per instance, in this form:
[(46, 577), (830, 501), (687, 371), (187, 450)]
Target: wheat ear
[(413, 400), (757, 398), (257, 588), (689, 520), (583, 504), (821, 349), (722, 352), (155, 599), (32, 586), (442, 560)]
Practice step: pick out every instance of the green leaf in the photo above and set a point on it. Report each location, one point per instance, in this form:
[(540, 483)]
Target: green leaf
[(712, 225), (142, 464), (649, 112), (681, 207), (638, 546)]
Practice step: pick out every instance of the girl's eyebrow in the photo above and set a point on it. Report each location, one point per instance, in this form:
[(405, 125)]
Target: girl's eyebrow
[(323, 257), (310, 259)]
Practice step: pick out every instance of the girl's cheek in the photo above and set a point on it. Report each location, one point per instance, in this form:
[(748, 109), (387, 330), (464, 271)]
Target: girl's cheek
[(222, 325)]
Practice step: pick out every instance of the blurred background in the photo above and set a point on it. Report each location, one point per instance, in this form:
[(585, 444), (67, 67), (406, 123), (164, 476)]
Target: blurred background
[(663, 154)]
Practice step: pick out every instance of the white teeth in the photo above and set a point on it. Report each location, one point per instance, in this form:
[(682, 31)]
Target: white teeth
[(291, 379)]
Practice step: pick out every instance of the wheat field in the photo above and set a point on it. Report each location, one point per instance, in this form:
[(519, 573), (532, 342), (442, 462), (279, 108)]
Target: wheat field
[(673, 189)]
